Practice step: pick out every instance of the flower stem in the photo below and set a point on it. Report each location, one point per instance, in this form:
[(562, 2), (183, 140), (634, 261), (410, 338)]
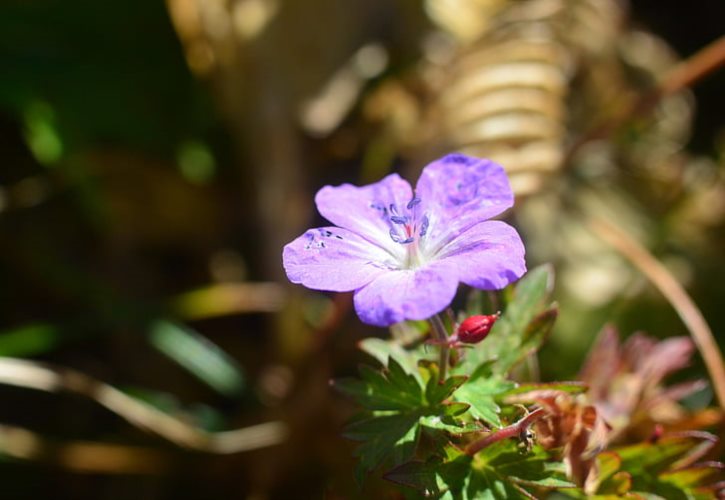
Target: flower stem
[(504, 433), (439, 331)]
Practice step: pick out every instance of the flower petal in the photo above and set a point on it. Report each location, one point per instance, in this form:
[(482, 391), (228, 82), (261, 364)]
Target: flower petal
[(489, 255), (361, 209), (458, 191), (333, 259), (407, 294)]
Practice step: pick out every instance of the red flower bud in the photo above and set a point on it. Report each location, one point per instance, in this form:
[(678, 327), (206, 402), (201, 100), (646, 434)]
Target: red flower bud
[(475, 328)]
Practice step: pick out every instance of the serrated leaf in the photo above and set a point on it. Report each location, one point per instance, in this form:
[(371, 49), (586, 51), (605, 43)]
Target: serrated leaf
[(382, 350), (530, 469), (455, 409), (390, 436), (498, 472), (389, 390), (433, 477), (397, 406), (449, 424), (520, 330), (530, 293), (437, 391), (481, 393), (529, 338)]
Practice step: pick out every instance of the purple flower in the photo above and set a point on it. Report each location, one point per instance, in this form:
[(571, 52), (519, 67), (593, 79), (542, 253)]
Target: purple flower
[(404, 254)]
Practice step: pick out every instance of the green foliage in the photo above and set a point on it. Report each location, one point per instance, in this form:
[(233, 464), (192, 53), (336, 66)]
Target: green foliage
[(463, 436), (519, 332), (661, 469), (498, 472), (398, 406), (480, 392), (522, 328)]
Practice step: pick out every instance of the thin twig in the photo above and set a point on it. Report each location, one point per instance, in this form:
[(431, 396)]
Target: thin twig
[(686, 73), (439, 330), (661, 277), (510, 431), (33, 375), (705, 61)]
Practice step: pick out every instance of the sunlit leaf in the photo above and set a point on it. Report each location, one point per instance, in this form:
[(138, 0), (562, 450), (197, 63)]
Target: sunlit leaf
[(567, 387), (498, 471), (382, 350), (481, 390)]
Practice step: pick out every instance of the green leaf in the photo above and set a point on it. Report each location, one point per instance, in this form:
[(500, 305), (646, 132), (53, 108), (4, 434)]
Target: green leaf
[(521, 329), (694, 476), (528, 469), (497, 472), (528, 339), (481, 392), (382, 350), (607, 482), (390, 436), (29, 340), (390, 390), (455, 409), (447, 423), (435, 477), (530, 293), (655, 469), (436, 391), (653, 458), (397, 406), (198, 355), (574, 387)]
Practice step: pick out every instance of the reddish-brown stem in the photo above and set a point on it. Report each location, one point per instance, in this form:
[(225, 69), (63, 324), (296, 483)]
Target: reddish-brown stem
[(686, 73), (707, 60), (510, 431)]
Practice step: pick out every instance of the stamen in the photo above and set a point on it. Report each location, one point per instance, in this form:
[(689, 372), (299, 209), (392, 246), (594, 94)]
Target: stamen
[(413, 202), (397, 239), (397, 219), (423, 226)]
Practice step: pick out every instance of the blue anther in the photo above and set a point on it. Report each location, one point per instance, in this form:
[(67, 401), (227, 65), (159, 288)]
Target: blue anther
[(397, 239), (423, 226), (398, 219), (413, 202)]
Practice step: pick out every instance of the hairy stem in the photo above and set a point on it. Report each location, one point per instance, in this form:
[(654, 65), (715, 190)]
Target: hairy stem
[(510, 431), (439, 330)]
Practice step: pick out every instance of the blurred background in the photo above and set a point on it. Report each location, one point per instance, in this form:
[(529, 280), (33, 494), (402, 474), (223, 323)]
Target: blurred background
[(156, 156)]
